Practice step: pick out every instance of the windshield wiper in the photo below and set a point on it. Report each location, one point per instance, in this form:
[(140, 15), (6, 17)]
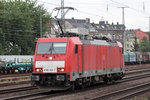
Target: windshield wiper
[(52, 49), (48, 51)]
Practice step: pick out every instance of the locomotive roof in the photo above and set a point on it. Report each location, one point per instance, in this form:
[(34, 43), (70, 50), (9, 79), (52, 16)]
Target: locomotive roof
[(99, 42), (76, 40)]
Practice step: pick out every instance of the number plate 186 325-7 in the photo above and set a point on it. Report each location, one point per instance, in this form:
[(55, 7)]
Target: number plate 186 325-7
[(49, 70)]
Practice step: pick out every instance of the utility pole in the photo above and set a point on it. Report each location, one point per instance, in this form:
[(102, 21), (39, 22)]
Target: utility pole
[(149, 33), (62, 15), (149, 24), (40, 25), (123, 22), (62, 10)]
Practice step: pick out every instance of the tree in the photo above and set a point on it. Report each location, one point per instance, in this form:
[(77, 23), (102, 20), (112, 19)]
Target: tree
[(149, 39), (20, 25), (149, 35), (144, 45)]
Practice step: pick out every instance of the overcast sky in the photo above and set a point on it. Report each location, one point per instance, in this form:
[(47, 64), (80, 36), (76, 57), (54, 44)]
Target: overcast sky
[(136, 13)]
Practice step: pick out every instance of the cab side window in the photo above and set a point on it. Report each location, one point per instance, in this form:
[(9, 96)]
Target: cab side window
[(76, 49)]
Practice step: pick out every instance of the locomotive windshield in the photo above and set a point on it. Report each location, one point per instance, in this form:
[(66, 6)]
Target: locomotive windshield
[(51, 48)]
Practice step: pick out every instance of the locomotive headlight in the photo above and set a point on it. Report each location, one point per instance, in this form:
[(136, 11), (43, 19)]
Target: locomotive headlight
[(62, 69), (37, 70), (50, 58)]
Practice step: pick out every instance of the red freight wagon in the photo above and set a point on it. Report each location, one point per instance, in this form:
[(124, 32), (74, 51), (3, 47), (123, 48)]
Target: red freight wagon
[(71, 62), (145, 57)]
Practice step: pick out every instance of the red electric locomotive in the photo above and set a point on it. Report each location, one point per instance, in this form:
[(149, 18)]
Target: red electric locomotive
[(70, 62)]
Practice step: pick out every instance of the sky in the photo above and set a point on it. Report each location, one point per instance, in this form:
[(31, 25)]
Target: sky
[(137, 12)]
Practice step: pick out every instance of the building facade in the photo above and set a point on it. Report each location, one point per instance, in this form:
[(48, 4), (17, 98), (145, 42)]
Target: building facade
[(112, 31), (132, 36), (130, 40), (140, 34), (79, 26)]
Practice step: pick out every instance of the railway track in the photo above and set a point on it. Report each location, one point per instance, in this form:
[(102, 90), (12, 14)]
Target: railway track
[(103, 85), (7, 80), (137, 67), (5, 91), (124, 93), (136, 77), (44, 94), (24, 96), (131, 76), (137, 71), (133, 89), (14, 75), (39, 95)]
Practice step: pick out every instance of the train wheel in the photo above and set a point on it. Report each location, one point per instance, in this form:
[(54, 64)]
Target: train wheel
[(31, 70), (72, 88), (109, 81), (3, 71), (106, 81), (88, 84), (7, 72), (12, 71), (83, 86)]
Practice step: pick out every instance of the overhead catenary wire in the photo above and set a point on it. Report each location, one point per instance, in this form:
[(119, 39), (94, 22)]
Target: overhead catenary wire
[(96, 15), (125, 5)]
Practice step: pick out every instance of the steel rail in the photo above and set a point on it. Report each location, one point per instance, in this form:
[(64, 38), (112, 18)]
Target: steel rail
[(123, 93), (17, 89)]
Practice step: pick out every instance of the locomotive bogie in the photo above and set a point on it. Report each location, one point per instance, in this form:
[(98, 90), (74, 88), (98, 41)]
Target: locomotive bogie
[(61, 81)]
